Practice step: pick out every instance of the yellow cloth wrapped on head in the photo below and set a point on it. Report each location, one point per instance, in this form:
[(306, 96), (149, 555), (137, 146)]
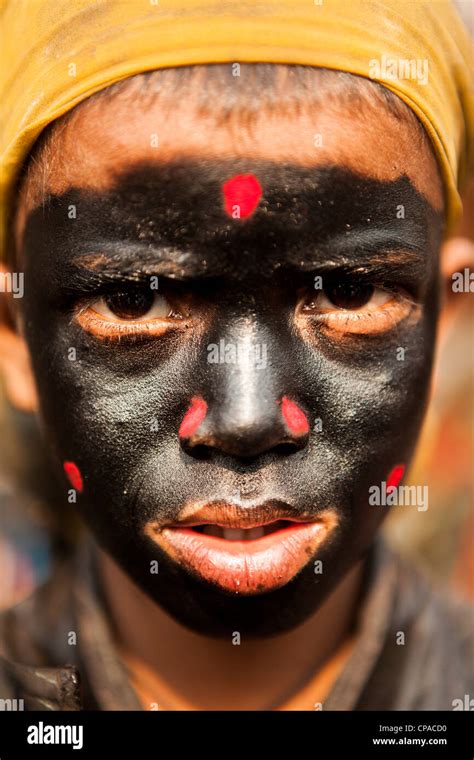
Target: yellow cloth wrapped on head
[(55, 53)]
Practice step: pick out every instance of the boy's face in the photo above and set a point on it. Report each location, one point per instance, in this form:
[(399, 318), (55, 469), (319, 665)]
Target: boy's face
[(202, 375)]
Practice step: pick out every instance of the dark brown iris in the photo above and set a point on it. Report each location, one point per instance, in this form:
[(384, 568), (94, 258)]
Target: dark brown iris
[(130, 303), (349, 295)]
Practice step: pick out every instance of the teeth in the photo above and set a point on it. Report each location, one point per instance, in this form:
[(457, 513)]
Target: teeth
[(234, 534), (213, 530), (254, 533)]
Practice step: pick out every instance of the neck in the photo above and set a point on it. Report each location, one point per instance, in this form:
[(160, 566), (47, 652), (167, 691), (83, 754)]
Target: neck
[(175, 668)]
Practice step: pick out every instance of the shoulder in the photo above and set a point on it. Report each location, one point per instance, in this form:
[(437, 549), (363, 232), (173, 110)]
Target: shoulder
[(434, 611), (33, 673), (428, 655), (30, 630)]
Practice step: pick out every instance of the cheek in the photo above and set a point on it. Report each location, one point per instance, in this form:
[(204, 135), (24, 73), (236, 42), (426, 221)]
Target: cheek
[(370, 412), (105, 417), (74, 475)]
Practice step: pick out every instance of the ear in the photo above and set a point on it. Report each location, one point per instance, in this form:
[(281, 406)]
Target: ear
[(457, 266), (15, 366), (457, 271)]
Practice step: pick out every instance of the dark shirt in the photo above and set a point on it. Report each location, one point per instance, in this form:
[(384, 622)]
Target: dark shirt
[(414, 646)]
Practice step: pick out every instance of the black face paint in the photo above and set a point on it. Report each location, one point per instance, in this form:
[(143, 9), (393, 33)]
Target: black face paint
[(115, 411)]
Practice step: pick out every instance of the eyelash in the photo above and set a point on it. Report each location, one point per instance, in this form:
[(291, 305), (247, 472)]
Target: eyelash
[(115, 330), (366, 321), (358, 321), (101, 328)]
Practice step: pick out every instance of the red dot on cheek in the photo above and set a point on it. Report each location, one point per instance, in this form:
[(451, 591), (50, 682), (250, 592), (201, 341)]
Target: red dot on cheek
[(74, 476), (242, 191), (294, 417), (395, 476), (193, 417)]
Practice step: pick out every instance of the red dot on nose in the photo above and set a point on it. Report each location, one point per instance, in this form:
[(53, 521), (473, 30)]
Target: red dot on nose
[(395, 476), (74, 476), (295, 418), (241, 194), (193, 417)]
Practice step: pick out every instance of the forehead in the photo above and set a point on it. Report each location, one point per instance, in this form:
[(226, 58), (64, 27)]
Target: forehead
[(105, 137), (170, 219)]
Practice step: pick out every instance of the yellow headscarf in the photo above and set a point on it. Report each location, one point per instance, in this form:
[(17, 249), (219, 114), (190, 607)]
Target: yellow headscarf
[(55, 53)]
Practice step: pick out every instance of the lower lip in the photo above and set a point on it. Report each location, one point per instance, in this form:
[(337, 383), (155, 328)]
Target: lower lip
[(244, 567)]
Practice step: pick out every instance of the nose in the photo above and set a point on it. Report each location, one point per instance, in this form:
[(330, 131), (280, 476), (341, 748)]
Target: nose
[(245, 412), (243, 431)]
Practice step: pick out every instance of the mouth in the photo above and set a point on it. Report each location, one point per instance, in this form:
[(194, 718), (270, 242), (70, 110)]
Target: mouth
[(243, 551)]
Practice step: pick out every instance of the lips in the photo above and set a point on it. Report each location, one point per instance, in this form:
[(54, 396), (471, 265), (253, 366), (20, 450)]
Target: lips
[(243, 551)]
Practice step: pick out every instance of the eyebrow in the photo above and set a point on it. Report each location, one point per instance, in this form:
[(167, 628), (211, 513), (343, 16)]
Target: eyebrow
[(169, 220), (369, 251)]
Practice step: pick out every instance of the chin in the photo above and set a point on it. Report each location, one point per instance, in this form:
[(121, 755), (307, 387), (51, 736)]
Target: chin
[(209, 610)]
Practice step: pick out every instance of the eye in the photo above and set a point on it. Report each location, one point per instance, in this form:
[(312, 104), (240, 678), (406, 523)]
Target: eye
[(129, 310), (356, 307), (351, 295), (132, 304)]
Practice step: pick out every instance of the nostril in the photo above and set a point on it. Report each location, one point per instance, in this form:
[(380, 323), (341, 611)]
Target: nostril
[(281, 429), (200, 451), (287, 448), (205, 452)]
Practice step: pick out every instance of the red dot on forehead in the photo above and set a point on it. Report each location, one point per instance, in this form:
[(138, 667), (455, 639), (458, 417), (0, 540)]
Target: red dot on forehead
[(395, 476), (241, 195), (193, 417), (74, 476), (294, 417)]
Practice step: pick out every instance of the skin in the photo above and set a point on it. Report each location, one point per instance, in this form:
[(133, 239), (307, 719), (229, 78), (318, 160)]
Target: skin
[(328, 212), (370, 415), (190, 671)]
